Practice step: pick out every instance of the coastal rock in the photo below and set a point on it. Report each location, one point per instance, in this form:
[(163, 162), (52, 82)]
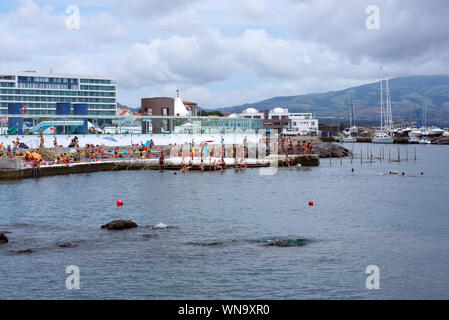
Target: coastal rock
[(119, 225), (3, 238), (325, 150)]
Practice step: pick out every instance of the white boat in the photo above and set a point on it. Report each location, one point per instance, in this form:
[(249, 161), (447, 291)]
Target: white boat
[(422, 141), (382, 137), (446, 134), (348, 139), (386, 121), (434, 131)]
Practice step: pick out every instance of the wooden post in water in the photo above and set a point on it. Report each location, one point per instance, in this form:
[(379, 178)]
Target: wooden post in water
[(389, 155), (330, 154), (399, 155), (415, 153), (380, 154), (371, 154), (361, 156), (352, 153), (406, 150)]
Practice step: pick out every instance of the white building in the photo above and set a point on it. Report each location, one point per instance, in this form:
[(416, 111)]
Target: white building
[(303, 123), (282, 120)]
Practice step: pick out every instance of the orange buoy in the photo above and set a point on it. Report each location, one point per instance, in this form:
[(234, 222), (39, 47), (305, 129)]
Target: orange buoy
[(119, 203), (310, 203)]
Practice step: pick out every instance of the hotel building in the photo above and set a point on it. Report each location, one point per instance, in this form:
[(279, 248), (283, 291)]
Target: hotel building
[(41, 92)]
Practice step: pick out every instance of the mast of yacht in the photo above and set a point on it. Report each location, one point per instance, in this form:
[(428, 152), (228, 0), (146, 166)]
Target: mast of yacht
[(351, 113), (388, 113), (381, 101)]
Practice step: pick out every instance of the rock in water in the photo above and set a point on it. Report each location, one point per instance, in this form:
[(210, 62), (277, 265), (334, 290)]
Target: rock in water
[(119, 225), (3, 238)]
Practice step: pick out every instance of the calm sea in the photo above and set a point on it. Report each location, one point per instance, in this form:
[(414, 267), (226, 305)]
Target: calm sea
[(224, 224)]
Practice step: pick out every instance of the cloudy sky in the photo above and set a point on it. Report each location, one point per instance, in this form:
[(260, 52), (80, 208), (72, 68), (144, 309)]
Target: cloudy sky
[(224, 53)]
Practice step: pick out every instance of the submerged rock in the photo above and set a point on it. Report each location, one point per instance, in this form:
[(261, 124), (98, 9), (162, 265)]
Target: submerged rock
[(287, 242), (23, 251), (65, 245), (119, 225), (3, 238)]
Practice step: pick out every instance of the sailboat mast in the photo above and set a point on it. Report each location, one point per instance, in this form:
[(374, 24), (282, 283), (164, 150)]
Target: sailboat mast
[(388, 115), (381, 101), (351, 115)]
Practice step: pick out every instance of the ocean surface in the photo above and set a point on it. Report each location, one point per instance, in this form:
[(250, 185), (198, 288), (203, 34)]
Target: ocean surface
[(235, 235)]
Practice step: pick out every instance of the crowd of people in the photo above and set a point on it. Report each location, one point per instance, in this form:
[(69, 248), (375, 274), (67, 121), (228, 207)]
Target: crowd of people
[(212, 156), (286, 146)]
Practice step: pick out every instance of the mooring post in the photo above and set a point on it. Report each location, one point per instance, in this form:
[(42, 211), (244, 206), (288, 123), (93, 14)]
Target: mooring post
[(399, 155), (361, 156), (352, 153), (415, 153), (406, 150), (389, 155)]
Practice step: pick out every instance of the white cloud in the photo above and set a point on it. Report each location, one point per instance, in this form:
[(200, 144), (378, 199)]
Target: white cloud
[(149, 8), (30, 16), (11, 49)]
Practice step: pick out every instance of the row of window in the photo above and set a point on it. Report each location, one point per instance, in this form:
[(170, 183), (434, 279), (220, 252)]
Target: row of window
[(53, 106), (48, 80), (47, 85), (55, 99), (97, 81), (33, 112), (312, 123), (7, 84), (105, 88), (58, 93)]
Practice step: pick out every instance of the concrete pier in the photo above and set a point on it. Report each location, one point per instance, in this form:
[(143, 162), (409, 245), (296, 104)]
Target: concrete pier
[(13, 168)]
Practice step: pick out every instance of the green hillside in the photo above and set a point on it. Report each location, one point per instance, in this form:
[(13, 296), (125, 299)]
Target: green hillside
[(409, 95)]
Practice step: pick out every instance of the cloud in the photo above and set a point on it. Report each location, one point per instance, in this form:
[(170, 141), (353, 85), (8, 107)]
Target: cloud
[(408, 28), (253, 9), (149, 8), (12, 49), (30, 16)]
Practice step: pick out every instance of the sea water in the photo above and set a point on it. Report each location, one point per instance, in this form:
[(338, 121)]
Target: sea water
[(236, 234)]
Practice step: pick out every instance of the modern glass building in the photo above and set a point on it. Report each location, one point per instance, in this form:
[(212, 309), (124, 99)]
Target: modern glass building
[(41, 92)]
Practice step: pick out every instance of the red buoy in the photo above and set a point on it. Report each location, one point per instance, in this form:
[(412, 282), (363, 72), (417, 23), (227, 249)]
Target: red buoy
[(119, 203), (310, 203)]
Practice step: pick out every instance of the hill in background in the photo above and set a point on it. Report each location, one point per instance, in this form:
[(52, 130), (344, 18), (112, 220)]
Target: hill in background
[(409, 96)]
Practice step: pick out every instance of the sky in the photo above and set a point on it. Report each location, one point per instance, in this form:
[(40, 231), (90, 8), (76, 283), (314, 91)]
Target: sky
[(226, 53)]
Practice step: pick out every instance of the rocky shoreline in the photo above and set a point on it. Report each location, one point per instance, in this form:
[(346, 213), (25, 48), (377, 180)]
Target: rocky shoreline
[(329, 149)]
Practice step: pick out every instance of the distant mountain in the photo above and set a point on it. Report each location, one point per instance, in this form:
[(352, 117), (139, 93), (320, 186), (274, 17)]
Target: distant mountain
[(409, 96)]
